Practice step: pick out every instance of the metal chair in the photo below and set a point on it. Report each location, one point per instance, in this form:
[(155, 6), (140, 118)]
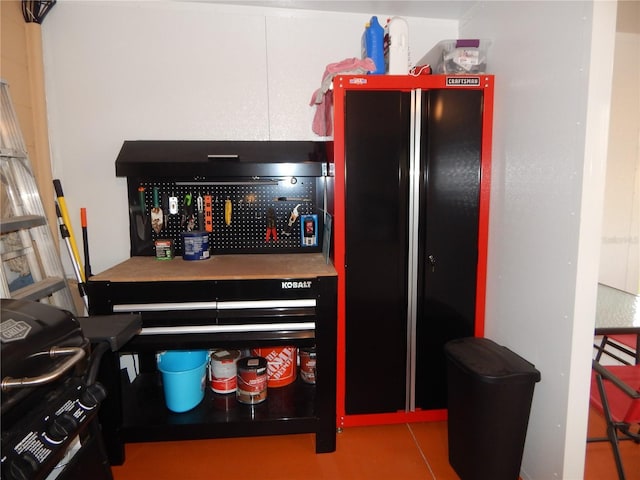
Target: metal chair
[(612, 345), (615, 391)]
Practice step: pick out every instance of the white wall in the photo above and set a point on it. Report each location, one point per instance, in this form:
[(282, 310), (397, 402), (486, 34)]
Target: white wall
[(124, 70), (544, 244), (620, 257)]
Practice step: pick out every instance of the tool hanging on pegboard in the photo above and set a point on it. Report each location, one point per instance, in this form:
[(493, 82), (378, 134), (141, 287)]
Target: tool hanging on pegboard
[(208, 213), (292, 220), (157, 218), (234, 215), (165, 210), (200, 210), (141, 215), (272, 232), (173, 204), (188, 219), (228, 210)]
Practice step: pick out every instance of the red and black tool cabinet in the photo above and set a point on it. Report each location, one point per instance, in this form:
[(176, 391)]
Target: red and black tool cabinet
[(412, 184)]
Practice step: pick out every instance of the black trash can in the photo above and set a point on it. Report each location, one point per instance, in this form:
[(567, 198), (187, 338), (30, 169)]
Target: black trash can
[(490, 389)]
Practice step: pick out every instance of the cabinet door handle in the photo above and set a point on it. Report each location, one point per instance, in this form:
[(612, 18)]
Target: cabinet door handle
[(432, 262)]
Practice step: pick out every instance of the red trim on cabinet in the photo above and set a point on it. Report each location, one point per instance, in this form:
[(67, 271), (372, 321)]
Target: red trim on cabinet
[(341, 84)]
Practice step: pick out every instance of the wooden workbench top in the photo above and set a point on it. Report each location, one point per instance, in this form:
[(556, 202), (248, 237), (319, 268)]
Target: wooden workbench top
[(221, 267)]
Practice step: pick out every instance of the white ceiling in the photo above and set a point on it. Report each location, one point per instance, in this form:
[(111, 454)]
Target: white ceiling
[(628, 10), (452, 9)]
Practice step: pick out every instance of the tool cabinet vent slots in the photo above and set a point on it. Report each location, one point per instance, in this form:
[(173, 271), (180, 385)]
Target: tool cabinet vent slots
[(248, 196)]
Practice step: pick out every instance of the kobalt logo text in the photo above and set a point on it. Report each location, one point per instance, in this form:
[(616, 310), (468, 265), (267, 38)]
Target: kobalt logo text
[(288, 285)]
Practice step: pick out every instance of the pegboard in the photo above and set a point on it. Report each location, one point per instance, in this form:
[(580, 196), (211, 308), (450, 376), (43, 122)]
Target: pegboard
[(251, 203)]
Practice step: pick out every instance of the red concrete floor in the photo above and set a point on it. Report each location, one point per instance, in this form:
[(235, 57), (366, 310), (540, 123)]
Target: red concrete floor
[(404, 451), (599, 464), (407, 451)]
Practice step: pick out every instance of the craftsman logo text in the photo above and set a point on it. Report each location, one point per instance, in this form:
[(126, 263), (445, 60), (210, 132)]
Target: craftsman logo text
[(463, 81), (292, 285)]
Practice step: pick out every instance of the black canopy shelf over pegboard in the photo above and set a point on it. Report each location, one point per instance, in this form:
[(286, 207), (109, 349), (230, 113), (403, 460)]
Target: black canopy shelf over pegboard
[(263, 180), (219, 159)]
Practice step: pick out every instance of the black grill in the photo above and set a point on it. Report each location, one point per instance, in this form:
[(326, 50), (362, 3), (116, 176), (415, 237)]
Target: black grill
[(49, 400)]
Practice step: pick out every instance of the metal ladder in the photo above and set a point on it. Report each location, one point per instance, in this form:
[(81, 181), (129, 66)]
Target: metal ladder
[(31, 264)]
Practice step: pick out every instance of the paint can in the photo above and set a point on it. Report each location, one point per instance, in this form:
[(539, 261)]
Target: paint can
[(195, 245), (222, 370), (252, 380), (308, 364), (281, 364)]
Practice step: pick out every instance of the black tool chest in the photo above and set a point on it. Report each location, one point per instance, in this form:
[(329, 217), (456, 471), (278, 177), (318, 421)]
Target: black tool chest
[(250, 296)]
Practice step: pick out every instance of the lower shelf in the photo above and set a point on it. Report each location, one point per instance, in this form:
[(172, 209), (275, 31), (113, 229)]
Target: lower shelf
[(288, 409)]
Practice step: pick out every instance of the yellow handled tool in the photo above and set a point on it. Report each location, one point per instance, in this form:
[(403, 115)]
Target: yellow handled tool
[(227, 211), (65, 217)]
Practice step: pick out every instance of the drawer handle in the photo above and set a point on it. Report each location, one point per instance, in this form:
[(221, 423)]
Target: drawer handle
[(263, 304), (239, 328), (228, 305), (162, 307)]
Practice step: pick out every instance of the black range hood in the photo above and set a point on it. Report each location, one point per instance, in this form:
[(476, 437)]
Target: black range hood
[(216, 159)]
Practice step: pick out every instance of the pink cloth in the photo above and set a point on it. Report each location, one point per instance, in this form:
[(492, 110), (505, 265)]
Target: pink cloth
[(323, 97)]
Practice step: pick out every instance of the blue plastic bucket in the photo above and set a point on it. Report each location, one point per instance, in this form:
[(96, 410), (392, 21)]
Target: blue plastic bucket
[(183, 378)]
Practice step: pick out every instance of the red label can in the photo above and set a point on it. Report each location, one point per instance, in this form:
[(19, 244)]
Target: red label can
[(252, 380), (308, 364), (222, 370)]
